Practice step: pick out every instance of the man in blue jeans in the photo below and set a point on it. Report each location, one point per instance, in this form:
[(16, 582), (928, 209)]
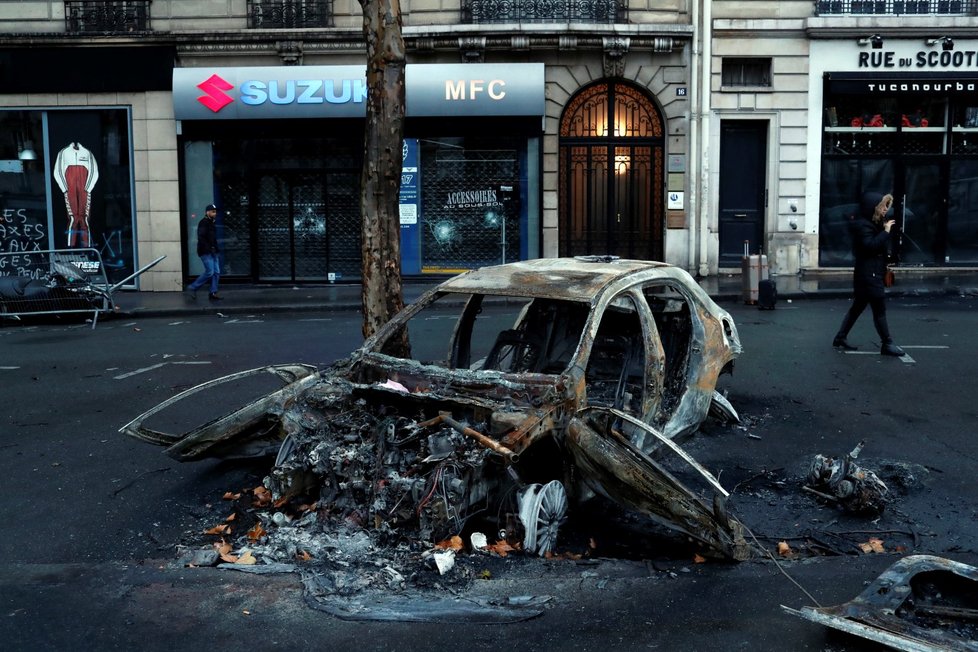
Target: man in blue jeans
[(209, 254)]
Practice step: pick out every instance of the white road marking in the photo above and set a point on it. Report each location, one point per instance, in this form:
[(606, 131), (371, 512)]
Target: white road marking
[(317, 319), (177, 323), (905, 357), (924, 346), (156, 366), (9, 368), (244, 321)]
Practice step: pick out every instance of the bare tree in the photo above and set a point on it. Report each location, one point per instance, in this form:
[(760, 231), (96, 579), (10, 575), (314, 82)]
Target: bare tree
[(380, 181)]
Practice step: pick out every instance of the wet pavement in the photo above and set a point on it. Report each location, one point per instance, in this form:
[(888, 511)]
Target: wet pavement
[(724, 287)]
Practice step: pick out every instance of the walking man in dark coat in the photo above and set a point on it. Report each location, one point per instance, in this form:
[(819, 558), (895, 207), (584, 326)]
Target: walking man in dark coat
[(209, 254), (870, 232)]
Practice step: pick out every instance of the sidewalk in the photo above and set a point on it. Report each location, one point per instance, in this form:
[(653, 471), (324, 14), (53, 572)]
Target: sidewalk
[(724, 287)]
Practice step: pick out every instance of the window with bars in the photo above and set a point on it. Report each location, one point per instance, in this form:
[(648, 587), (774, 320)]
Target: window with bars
[(87, 16), (895, 7), (289, 14), (746, 72), (544, 11)]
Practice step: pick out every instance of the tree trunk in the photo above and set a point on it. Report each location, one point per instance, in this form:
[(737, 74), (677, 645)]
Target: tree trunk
[(380, 181)]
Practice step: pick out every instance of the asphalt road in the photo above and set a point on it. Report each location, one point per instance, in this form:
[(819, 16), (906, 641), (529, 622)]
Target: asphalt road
[(91, 519)]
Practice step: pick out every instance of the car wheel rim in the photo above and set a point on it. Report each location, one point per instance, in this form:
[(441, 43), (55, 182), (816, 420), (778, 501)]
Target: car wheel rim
[(542, 510)]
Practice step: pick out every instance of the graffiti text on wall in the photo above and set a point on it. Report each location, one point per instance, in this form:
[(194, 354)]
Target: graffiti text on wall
[(19, 234)]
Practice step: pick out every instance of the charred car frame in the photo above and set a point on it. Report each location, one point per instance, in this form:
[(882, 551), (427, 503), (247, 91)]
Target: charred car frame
[(530, 386)]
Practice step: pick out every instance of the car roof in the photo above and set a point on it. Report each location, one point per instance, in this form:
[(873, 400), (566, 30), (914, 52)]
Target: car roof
[(571, 279)]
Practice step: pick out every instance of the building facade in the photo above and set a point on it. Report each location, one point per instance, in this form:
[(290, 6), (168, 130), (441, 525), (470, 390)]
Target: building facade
[(683, 131), (839, 98)]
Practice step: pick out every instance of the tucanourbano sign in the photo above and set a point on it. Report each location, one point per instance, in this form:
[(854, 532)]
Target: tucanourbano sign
[(341, 91)]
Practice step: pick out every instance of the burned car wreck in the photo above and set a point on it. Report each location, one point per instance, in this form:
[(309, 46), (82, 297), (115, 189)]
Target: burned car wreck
[(530, 387)]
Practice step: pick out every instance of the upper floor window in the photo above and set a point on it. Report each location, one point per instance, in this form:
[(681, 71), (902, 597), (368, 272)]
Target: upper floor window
[(544, 11), (289, 14), (83, 16), (895, 7), (746, 71)]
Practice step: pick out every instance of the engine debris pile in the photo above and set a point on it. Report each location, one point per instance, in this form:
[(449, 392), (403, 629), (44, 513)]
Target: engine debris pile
[(371, 467), (840, 479)]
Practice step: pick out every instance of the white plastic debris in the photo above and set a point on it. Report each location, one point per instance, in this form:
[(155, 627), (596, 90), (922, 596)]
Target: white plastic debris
[(478, 541), (444, 561), (393, 384)]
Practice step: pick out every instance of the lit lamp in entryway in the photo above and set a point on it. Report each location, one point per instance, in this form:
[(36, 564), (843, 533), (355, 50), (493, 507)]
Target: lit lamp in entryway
[(622, 160)]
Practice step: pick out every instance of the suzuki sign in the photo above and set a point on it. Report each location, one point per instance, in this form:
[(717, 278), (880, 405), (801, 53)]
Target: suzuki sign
[(341, 91)]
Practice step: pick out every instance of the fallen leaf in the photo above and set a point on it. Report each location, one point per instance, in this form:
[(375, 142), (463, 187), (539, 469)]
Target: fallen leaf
[(256, 532), (230, 496), (592, 544), (247, 559), (219, 529), (246, 612), (224, 551), (784, 549), (485, 575), (304, 555), (873, 545), (455, 543), (699, 559), (308, 508), (263, 497), (230, 518), (501, 548)]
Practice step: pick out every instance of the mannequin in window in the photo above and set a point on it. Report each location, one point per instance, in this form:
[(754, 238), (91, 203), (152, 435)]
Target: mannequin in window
[(76, 173)]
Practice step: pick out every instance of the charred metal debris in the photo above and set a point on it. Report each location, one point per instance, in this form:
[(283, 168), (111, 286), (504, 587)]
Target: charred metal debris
[(530, 388), (841, 480), (921, 603)]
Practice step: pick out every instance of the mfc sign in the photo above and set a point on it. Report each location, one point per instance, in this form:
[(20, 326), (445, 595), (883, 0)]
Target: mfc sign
[(341, 91)]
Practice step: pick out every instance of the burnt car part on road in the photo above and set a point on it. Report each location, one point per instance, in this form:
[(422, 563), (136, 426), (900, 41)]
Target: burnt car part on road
[(576, 371), (921, 603)]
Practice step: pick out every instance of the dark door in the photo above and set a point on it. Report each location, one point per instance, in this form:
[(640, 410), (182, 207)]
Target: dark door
[(743, 156)]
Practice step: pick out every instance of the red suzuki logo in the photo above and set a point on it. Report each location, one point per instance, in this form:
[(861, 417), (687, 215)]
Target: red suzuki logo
[(215, 98)]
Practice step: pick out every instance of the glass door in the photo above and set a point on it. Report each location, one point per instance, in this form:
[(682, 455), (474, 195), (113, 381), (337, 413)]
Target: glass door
[(920, 237)]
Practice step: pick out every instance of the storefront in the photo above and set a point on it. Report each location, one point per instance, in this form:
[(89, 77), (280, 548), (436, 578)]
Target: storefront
[(900, 116), (67, 152), (279, 150)]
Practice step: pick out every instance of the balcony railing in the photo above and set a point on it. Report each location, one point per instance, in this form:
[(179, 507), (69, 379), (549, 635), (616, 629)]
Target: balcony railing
[(289, 14), (118, 16), (544, 11), (895, 7)]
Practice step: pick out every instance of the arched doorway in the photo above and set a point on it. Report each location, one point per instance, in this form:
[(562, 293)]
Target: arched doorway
[(611, 173)]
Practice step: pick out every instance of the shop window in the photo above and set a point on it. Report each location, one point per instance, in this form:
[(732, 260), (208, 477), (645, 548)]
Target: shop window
[(544, 11), (746, 72), (289, 14), (77, 163), (471, 203), (843, 182), (86, 16)]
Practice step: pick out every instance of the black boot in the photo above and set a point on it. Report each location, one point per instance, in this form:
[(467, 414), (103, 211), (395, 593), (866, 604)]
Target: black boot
[(840, 343), (889, 348)]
